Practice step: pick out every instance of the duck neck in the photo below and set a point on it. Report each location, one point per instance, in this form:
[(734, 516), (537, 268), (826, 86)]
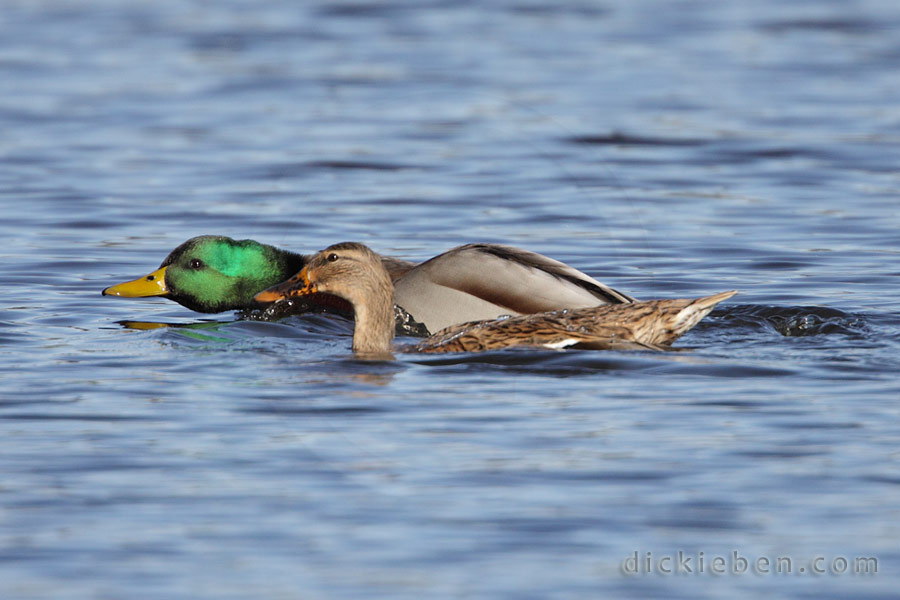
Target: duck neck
[(374, 329)]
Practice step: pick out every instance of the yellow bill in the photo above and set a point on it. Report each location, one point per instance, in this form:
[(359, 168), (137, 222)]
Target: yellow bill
[(153, 284)]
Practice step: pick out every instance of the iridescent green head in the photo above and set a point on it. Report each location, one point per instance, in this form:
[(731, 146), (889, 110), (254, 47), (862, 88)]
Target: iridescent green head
[(212, 273)]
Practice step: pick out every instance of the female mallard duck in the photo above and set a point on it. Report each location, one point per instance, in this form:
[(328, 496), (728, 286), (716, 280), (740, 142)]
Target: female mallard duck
[(353, 272), (468, 283)]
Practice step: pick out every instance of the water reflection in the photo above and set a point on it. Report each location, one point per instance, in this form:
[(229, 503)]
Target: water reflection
[(200, 331)]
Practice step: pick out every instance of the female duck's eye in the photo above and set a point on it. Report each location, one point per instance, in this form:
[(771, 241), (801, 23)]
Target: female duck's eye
[(332, 257), (196, 263)]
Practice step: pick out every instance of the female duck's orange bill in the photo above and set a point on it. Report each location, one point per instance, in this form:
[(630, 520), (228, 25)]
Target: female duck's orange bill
[(298, 285), (153, 284)]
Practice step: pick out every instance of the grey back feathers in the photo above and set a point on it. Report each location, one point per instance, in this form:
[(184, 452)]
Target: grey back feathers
[(485, 281)]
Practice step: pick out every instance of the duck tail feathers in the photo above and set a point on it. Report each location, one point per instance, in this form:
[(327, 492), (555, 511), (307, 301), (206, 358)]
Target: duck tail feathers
[(691, 314)]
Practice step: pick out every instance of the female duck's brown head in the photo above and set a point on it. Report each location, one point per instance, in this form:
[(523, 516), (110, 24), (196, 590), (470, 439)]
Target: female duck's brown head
[(353, 272)]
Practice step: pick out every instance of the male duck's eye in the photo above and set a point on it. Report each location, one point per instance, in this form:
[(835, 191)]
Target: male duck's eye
[(332, 257), (196, 263)]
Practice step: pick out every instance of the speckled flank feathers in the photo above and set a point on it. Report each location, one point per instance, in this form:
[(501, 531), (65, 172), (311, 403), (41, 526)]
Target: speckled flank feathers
[(651, 324)]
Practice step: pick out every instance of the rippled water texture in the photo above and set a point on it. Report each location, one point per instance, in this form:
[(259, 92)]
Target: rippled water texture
[(668, 149)]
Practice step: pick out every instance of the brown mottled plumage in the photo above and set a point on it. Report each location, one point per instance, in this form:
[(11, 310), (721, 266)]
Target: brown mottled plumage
[(650, 324), (353, 272)]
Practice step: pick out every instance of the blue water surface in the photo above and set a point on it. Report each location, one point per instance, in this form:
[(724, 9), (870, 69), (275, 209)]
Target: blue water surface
[(669, 149)]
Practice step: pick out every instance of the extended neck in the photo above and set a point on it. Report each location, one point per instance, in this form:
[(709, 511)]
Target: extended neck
[(374, 329)]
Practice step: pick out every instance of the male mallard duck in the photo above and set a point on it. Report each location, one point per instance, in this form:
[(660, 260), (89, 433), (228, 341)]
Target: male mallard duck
[(353, 272), (476, 281)]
